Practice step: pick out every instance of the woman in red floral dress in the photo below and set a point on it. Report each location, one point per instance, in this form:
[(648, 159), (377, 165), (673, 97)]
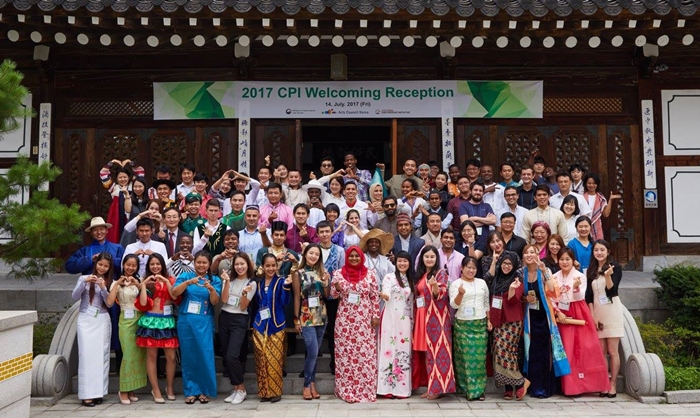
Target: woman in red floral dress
[(355, 339)]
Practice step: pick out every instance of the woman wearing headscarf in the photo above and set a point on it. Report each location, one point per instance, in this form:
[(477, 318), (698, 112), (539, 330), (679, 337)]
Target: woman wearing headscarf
[(506, 315), (432, 332), (355, 340)]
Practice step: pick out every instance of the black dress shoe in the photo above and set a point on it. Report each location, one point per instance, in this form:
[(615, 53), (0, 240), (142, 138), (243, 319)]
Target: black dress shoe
[(89, 404), (265, 399), (98, 401), (276, 399), (612, 395), (301, 374)]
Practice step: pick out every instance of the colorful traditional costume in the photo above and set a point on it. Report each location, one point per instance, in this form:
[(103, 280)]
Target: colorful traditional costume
[(268, 336), (195, 330), (395, 338), (94, 331), (132, 373), (157, 330), (432, 338), (545, 358), (355, 340), (589, 373), (470, 336)]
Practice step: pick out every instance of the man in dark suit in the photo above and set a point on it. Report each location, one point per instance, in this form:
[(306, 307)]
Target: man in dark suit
[(171, 234), (404, 240)]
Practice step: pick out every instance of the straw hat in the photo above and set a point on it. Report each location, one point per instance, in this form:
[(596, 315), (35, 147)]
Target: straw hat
[(314, 184), (97, 221), (386, 240)]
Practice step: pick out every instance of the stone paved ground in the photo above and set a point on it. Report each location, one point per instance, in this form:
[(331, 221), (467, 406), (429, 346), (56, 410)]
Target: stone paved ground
[(328, 406)]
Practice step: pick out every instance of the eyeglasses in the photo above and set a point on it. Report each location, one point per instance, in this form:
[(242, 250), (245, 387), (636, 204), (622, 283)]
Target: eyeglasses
[(390, 205), (326, 165), (507, 263)]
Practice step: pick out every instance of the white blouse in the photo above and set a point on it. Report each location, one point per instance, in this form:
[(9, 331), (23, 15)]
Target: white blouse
[(475, 301)]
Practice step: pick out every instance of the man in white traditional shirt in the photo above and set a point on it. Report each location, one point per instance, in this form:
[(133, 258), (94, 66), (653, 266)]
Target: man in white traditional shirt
[(145, 246), (543, 212), (564, 180), (510, 195), (352, 202), (493, 192)]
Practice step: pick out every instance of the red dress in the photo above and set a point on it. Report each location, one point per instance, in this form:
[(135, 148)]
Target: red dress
[(432, 334), (589, 373)]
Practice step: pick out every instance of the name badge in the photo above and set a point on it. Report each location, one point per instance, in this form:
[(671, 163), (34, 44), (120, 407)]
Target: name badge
[(469, 312), (129, 314), (534, 306), (264, 313), (564, 306), (497, 303), (354, 298), (168, 310), (604, 300), (92, 311), (234, 301), (313, 302), (194, 307), (420, 302)]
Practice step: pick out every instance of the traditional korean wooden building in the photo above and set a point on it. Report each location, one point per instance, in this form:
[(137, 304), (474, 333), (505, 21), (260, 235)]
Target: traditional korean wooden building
[(95, 61)]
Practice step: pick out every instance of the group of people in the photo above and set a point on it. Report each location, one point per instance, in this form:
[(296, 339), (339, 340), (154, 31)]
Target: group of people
[(426, 279)]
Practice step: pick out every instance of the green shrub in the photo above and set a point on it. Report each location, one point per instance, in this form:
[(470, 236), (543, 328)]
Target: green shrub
[(43, 334), (661, 340), (682, 378), (680, 291)]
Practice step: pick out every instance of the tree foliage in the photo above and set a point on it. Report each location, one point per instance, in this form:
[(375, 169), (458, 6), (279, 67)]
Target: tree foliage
[(11, 94), (40, 226)]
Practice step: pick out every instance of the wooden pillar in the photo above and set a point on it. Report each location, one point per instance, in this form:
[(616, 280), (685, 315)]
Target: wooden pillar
[(651, 229), (394, 145)]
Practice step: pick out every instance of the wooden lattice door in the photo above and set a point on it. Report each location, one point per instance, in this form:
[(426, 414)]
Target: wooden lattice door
[(417, 139)]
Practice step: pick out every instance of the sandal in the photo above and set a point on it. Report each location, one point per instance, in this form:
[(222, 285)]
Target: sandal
[(481, 398), (203, 399), (190, 400)]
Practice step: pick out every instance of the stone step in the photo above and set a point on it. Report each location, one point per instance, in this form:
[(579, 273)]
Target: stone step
[(293, 385)]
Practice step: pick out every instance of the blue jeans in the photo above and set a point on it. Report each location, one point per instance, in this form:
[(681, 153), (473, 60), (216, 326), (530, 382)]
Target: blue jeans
[(313, 336)]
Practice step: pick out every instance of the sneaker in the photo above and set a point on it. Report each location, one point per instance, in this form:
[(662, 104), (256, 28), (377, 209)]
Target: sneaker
[(231, 397), (240, 397)]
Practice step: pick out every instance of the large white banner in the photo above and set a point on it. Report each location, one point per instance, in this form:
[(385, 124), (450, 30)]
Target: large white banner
[(351, 99)]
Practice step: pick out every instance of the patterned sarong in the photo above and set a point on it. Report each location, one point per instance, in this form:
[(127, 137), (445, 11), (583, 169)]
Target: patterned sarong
[(505, 354), (469, 342), (269, 358)]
